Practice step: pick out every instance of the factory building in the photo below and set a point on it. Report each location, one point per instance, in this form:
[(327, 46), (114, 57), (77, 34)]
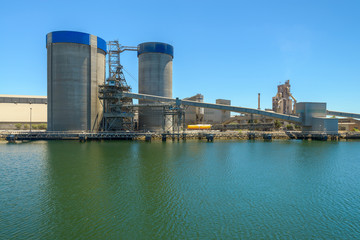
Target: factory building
[(75, 67), (284, 102), (197, 115), (194, 115), (217, 116), (349, 124), (313, 117), (19, 111)]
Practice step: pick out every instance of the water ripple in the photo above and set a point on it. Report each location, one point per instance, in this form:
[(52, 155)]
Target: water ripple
[(192, 190)]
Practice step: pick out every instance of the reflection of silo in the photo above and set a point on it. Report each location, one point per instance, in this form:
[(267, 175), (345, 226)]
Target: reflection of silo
[(155, 78), (76, 66)]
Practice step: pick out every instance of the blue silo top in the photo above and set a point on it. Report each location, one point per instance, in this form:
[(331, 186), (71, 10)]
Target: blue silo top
[(155, 47), (75, 37)]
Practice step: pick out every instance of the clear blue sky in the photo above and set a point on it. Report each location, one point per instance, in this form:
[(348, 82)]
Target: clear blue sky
[(223, 49)]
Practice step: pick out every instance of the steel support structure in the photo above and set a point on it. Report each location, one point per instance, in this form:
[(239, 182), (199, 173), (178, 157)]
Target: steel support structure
[(173, 119), (117, 115), (116, 75)]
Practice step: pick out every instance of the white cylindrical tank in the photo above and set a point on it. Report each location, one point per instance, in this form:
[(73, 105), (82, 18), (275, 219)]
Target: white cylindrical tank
[(155, 78), (75, 66)]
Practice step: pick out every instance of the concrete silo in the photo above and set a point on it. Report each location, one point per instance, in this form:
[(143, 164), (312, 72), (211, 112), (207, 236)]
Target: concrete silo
[(75, 68), (155, 78)]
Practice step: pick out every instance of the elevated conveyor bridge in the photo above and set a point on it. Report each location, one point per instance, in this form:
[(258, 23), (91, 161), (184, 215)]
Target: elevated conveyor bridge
[(179, 102), (343, 114)]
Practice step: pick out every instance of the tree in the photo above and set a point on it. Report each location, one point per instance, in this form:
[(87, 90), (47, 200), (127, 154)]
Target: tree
[(277, 124)]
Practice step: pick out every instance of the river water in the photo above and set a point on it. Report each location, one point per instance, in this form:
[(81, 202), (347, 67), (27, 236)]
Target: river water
[(180, 190)]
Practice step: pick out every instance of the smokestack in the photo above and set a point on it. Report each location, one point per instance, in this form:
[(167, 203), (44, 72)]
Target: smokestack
[(259, 101)]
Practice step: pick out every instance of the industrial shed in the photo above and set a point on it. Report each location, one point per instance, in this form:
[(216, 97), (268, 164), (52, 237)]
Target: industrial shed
[(15, 109)]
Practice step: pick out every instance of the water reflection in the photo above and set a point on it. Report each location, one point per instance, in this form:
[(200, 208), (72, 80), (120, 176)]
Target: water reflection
[(83, 182), (194, 189)]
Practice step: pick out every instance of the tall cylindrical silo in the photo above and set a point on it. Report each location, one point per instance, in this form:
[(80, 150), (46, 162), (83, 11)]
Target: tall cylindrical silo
[(75, 66), (155, 78)]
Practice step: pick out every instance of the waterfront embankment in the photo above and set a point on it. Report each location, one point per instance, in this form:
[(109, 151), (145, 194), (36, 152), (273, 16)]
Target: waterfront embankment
[(210, 135)]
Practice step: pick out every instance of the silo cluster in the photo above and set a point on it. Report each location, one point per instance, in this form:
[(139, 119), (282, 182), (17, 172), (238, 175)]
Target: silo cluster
[(76, 66)]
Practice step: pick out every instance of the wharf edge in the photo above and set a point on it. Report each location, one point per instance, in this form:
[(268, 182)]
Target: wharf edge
[(148, 136)]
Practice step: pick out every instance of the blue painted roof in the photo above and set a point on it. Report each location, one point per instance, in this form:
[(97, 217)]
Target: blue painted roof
[(155, 47), (76, 37), (101, 43)]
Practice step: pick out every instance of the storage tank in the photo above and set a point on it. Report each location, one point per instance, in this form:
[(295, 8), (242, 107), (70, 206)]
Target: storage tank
[(75, 68), (155, 78)]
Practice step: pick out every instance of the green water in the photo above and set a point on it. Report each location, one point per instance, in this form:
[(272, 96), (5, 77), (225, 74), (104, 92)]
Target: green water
[(180, 190)]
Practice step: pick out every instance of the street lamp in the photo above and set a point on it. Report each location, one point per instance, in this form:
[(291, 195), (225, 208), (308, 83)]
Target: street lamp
[(30, 118)]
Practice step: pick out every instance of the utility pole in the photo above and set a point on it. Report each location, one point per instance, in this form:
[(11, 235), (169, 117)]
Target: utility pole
[(30, 117)]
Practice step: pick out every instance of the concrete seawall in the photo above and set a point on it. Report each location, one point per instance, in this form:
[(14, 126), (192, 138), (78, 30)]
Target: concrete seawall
[(201, 135)]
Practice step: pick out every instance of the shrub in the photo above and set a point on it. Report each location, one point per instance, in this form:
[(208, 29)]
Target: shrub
[(289, 127), (18, 126), (277, 124), (34, 126), (42, 126), (26, 126)]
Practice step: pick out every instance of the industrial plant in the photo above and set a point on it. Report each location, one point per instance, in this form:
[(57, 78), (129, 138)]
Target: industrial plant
[(81, 99)]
